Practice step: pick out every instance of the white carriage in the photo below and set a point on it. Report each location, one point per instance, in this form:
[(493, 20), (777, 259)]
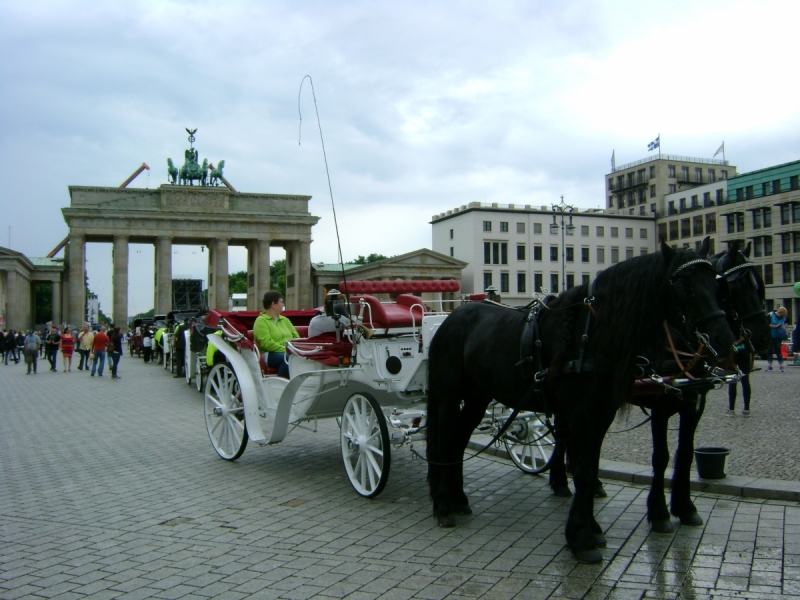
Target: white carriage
[(376, 385)]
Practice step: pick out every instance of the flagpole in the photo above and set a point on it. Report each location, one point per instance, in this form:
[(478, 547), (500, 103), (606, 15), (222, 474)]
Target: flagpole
[(659, 145)]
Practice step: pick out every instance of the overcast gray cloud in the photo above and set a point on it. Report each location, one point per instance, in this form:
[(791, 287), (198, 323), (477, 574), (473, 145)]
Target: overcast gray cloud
[(424, 106)]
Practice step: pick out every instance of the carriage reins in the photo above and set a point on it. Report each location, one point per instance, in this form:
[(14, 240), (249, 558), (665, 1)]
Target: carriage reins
[(739, 320)]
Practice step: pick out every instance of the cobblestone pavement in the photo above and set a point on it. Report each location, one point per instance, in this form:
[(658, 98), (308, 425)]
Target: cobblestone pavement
[(110, 489), (764, 444)]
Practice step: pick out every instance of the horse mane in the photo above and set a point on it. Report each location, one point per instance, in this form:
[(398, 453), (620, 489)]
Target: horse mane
[(631, 302)]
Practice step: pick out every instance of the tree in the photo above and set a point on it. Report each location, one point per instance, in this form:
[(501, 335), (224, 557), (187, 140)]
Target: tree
[(277, 276), (43, 302), (369, 259), (237, 283)]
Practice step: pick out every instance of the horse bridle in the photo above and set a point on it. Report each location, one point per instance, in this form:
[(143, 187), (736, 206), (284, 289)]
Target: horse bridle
[(738, 321), (701, 337)]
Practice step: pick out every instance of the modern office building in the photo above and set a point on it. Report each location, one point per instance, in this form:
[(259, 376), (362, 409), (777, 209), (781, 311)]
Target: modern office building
[(517, 250)]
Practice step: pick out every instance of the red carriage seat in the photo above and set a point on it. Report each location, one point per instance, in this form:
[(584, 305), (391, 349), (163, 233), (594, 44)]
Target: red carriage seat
[(383, 316)]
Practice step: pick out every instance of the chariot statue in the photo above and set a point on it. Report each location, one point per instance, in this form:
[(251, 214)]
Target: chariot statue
[(191, 170)]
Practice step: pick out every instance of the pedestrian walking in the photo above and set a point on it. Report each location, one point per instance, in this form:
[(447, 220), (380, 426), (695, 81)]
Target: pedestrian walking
[(777, 322), (85, 338), (99, 345), (52, 342), (67, 346), (11, 347), (32, 343), (744, 362), (147, 345), (3, 346), (115, 352)]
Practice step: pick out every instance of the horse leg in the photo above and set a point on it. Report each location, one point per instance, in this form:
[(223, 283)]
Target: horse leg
[(558, 466), (681, 505), (587, 430), (657, 511), (472, 413)]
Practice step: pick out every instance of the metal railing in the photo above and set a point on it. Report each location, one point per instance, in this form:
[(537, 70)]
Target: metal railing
[(689, 159)]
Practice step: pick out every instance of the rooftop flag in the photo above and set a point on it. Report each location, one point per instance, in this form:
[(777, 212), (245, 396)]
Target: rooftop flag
[(654, 144), (721, 149)]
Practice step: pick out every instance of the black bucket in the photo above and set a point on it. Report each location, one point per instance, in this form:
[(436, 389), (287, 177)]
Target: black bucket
[(711, 461)]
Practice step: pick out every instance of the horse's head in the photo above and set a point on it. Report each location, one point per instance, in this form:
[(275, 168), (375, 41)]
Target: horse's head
[(220, 165), (205, 164), (741, 295), (692, 304), (170, 164)]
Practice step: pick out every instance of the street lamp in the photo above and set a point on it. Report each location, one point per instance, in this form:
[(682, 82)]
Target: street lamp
[(561, 210)]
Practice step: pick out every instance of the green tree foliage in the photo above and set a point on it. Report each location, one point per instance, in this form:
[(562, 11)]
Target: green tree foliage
[(237, 283), (43, 303), (277, 276), (361, 260)]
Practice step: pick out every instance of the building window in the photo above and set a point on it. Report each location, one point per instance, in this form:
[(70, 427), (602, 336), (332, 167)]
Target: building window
[(684, 173), (756, 219), (584, 279), (748, 192), (757, 247), (537, 228), (503, 226), (720, 197), (570, 254), (652, 171), (601, 256), (723, 174), (785, 214), (520, 227), (739, 222), (767, 245), (503, 283), (629, 232), (768, 280), (671, 208), (601, 231), (628, 252), (538, 282), (643, 252), (585, 255), (554, 282), (686, 228), (694, 201), (786, 243), (652, 191), (706, 198), (673, 230), (537, 253), (487, 225), (672, 188), (451, 234), (487, 281), (520, 283), (451, 251), (614, 255), (584, 230), (615, 232), (787, 272), (643, 234), (793, 183), (711, 223), (767, 217), (553, 253), (698, 175), (671, 170), (662, 231), (520, 251), (697, 225), (712, 175), (495, 253), (796, 213), (776, 186), (570, 281)]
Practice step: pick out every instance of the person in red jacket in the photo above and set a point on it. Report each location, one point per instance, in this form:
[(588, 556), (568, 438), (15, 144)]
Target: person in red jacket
[(99, 344)]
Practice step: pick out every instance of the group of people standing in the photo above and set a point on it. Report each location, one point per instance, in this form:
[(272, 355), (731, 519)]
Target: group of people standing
[(92, 348)]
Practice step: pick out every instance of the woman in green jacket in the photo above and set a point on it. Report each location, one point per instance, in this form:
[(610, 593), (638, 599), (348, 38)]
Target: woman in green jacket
[(271, 331)]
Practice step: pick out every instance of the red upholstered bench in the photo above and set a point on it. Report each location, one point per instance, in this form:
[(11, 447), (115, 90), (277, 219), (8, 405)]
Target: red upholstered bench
[(265, 370)]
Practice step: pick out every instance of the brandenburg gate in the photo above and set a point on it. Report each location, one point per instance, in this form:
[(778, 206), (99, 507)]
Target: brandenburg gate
[(216, 217)]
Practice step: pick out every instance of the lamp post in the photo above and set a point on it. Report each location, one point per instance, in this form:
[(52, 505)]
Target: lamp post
[(561, 210)]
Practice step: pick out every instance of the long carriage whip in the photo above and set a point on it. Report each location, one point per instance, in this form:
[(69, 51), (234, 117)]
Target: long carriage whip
[(327, 171)]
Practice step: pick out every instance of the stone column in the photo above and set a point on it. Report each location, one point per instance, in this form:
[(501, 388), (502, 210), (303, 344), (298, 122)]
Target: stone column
[(57, 302), (220, 271), (292, 251), (303, 270), (163, 277), (120, 281), (77, 280), (13, 308), (258, 276)]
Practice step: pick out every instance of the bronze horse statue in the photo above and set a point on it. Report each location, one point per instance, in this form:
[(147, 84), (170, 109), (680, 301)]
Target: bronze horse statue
[(216, 173), (172, 172), (192, 171)]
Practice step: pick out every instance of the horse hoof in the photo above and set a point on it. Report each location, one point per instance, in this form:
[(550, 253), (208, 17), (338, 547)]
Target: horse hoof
[(692, 519), (446, 521), (661, 526), (600, 540), (590, 557), (562, 491), (600, 491), (464, 509)]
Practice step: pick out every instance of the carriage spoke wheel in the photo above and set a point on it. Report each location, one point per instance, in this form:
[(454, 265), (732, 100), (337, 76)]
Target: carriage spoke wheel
[(530, 443), (225, 413), (365, 445)]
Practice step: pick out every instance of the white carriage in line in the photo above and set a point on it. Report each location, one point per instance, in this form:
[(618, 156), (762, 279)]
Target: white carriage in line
[(375, 385)]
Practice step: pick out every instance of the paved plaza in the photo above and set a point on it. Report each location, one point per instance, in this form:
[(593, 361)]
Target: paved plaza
[(111, 489)]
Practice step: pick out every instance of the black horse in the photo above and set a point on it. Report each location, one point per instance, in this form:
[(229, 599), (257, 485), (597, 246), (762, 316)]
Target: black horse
[(740, 294), (586, 340)]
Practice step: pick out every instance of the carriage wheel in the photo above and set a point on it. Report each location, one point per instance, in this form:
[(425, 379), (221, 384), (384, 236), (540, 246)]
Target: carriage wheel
[(365, 445), (225, 413), (530, 444), (198, 373)]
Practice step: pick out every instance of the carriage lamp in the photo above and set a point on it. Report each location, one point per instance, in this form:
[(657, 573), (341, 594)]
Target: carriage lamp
[(491, 293)]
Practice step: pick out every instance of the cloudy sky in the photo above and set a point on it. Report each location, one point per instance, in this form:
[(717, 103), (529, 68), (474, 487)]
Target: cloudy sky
[(424, 106)]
